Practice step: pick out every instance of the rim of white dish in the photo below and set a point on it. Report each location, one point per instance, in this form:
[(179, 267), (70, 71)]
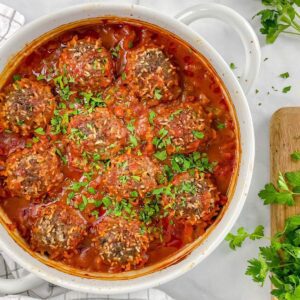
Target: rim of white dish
[(90, 10)]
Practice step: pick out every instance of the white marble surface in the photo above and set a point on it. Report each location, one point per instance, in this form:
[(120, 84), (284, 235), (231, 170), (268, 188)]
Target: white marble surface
[(221, 276)]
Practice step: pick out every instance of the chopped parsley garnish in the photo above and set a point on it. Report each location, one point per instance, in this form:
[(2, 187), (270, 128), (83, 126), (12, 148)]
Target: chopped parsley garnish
[(175, 113), (130, 44), (40, 77), (151, 117), (17, 77), (286, 89), (161, 155), (123, 76), (62, 83), (115, 51), (39, 131), (285, 75), (157, 94), (133, 141), (130, 126), (198, 135), (35, 139), (232, 66), (62, 157), (221, 125)]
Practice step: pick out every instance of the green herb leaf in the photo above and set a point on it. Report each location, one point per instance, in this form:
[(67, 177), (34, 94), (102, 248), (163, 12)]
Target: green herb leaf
[(236, 240), (285, 75), (39, 131), (152, 116), (286, 89), (232, 66), (197, 134), (295, 155), (157, 94), (161, 155)]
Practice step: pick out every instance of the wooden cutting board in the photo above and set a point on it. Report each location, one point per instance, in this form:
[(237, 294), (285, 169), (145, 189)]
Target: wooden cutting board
[(284, 140)]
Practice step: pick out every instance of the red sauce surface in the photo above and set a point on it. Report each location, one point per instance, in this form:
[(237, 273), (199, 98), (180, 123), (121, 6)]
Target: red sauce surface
[(138, 154)]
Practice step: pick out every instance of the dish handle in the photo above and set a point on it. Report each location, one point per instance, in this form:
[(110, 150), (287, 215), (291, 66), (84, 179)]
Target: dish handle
[(19, 285), (241, 26)]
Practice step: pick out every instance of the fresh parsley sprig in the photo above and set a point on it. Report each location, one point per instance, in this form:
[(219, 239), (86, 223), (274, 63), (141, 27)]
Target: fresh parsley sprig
[(288, 187), (280, 16), (236, 240)]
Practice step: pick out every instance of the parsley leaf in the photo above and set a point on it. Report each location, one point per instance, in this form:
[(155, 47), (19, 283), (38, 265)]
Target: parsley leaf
[(157, 94), (295, 155), (198, 135), (236, 240), (161, 155), (151, 117), (39, 131), (288, 186), (286, 89), (232, 66), (285, 75)]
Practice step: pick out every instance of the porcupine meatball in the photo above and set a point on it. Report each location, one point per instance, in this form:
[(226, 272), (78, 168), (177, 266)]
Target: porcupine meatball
[(87, 62), (57, 228), (120, 99), (152, 75), (183, 128), (33, 172), (131, 174), (27, 105), (120, 243), (194, 198), (99, 132)]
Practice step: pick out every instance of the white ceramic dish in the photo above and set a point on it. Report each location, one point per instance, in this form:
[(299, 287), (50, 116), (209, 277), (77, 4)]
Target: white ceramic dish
[(38, 270)]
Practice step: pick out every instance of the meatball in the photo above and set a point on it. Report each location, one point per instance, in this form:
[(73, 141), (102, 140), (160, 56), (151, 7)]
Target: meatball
[(57, 228), (120, 99), (98, 133), (152, 75), (194, 198), (120, 243), (27, 105), (182, 129), (32, 173), (87, 62), (131, 174)]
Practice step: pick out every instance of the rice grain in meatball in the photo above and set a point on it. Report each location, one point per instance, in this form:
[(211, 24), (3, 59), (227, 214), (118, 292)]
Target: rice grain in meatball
[(99, 133), (130, 174), (57, 228), (194, 198), (33, 172), (27, 105), (152, 75), (87, 62), (120, 243)]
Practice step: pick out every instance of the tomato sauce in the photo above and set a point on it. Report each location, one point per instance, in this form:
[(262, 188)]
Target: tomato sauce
[(143, 140)]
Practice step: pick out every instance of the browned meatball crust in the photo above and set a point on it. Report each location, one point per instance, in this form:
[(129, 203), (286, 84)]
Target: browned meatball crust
[(33, 172), (87, 62), (183, 128), (131, 174), (120, 243), (152, 75), (26, 106), (194, 197), (57, 228), (97, 133)]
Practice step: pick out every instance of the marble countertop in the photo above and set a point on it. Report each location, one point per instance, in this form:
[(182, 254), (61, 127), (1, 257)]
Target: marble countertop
[(221, 275)]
